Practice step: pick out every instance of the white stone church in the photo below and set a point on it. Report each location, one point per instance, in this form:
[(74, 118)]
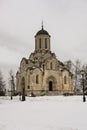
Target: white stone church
[(42, 73)]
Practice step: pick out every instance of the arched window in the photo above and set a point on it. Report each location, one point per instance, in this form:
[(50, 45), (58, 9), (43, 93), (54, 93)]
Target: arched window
[(40, 43), (51, 66), (37, 79), (65, 80), (23, 82), (43, 67), (28, 87), (45, 43), (28, 79)]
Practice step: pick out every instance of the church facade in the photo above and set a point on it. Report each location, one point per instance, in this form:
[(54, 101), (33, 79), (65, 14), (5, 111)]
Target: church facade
[(42, 73)]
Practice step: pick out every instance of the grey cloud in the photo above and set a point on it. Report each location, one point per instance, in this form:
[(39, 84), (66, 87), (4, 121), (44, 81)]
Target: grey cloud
[(65, 20), (13, 42)]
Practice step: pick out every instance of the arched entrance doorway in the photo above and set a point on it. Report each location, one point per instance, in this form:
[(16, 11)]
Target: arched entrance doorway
[(51, 83), (50, 86)]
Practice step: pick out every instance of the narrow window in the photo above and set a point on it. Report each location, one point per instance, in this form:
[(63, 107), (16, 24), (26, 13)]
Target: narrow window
[(51, 66), (28, 87), (28, 79), (37, 79), (65, 80), (43, 67), (45, 43), (40, 43), (49, 44)]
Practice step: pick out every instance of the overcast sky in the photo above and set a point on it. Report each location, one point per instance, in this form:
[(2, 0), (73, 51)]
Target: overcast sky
[(65, 20)]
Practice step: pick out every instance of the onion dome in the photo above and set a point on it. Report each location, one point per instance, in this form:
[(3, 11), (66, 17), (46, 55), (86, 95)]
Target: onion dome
[(42, 32)]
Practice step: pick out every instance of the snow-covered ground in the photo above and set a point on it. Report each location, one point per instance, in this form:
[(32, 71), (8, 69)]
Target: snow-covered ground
[(43, 113)]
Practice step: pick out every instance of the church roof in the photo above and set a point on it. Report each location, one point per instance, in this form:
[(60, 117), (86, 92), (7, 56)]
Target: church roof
[(26, 60)]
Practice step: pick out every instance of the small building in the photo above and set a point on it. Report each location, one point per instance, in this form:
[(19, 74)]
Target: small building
[(42, 73)]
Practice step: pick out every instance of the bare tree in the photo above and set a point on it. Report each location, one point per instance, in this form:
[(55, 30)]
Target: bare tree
[(84, 68), (75, 69), (2, 85), (77, 76), (12, 82)]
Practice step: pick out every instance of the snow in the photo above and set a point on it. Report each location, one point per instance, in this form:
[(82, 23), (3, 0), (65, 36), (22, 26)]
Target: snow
[(43, 113)]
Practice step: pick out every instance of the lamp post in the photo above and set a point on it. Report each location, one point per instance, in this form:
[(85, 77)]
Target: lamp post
[(11, 91), (31, 83), (23, 95), (83, 84), (11, 87), (23, 89)]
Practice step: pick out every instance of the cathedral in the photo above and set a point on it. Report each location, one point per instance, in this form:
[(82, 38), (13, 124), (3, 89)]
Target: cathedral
[(42, 73)]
